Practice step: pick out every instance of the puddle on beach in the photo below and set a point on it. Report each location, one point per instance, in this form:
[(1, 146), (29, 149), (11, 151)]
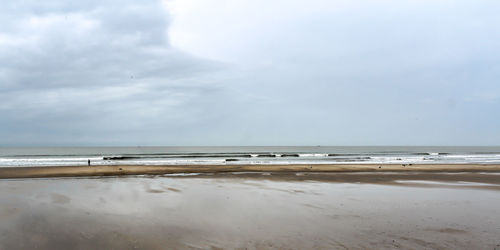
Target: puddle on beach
[(193, 212)]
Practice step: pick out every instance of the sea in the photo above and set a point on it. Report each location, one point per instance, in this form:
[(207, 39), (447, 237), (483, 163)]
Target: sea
[(79, 156)]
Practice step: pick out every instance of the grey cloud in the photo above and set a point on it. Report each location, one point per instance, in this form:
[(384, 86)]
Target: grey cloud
[(106, 45), (98, 72), (104, 73)]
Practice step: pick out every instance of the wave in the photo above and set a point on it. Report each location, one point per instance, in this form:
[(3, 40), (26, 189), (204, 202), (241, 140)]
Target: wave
[(262, 157), (290, 155), (221, 155), (133, 157)]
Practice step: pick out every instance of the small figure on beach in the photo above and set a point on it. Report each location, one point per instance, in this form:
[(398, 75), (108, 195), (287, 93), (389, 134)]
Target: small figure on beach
[(88, 162)]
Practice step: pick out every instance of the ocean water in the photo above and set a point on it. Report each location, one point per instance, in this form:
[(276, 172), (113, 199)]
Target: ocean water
[(76, 156)]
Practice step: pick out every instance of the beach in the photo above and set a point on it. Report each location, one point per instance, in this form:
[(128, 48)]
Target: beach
[(258, 210), (250, 198), (111, 170)]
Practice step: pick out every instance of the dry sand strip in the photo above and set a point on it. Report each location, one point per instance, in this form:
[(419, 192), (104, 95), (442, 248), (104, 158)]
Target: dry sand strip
[(72, 171)]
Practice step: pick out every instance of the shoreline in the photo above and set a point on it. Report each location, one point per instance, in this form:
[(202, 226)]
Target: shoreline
[(118, 170)]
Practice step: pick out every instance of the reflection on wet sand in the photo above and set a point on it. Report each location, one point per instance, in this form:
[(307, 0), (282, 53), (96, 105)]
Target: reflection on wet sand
[(253, 211)]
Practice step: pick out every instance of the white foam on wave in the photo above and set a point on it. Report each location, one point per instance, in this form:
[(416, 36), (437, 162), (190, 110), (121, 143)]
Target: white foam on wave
[(304, 158), (313, 155), (175, 162), (394, 159), (51, 159), (182, 174)]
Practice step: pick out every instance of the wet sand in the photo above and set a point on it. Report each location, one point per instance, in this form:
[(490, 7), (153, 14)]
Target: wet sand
[(259, 210), (110, 170)]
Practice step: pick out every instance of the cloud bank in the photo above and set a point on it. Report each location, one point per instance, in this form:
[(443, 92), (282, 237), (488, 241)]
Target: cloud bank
[(242, 72)]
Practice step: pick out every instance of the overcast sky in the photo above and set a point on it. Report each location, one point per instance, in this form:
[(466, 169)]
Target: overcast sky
[(250, 72)]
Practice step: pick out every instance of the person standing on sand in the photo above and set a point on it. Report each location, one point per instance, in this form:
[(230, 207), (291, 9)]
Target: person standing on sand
[(88, 162)]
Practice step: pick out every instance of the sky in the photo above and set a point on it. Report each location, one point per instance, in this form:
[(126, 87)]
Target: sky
[(249, 72)]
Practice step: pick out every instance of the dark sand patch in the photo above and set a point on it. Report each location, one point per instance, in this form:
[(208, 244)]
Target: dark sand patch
[(448, 230), (173, 189), (155, 191), (479, 180)]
